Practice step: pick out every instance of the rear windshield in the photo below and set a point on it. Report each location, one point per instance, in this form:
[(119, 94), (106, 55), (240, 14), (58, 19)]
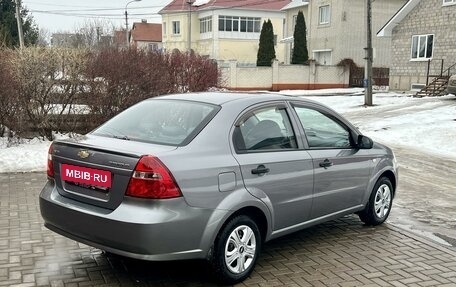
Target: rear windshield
[(167, 122)]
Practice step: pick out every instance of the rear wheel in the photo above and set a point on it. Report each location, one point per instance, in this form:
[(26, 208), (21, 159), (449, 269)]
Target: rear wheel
[(236, 250), (380, 202)]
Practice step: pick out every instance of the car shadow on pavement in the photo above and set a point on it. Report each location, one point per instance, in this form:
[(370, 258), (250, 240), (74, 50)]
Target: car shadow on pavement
[(290, 256)]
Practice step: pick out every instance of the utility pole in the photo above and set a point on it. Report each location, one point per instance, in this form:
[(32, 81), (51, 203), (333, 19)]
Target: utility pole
[(98, 36), (126, 28), (19, 23), (126, 22), (368, 101), (189, 2)]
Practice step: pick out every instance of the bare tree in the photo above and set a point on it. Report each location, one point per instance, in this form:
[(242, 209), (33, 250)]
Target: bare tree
[(44, 37), (95, 33)]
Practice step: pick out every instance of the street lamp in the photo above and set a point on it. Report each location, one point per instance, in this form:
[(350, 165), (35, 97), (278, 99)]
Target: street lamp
[(126, 21)]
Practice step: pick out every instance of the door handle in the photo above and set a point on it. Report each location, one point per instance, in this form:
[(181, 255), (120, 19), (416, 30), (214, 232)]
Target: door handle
[(326, 163), (261, 169)]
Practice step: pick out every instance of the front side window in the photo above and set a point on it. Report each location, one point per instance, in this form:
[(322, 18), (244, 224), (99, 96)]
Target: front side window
[(422, 47), (323, 131), (176, 28), (265, 129), (324, 15)]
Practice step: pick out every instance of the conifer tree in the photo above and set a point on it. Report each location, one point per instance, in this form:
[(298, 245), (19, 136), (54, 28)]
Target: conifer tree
[(266, 50), (300, 52)]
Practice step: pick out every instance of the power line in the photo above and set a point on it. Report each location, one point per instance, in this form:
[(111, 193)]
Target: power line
[(100, 9), (60, 5), (70, 12), (90, 14)]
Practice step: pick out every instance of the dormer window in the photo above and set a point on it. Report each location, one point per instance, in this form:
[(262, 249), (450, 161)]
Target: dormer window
[(449, 2)]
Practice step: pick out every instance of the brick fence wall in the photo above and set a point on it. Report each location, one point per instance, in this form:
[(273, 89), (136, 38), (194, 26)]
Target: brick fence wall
[(282, 77)]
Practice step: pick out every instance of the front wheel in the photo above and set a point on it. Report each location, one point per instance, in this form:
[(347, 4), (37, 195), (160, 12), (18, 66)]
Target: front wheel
[(380, 202), (236, 250)]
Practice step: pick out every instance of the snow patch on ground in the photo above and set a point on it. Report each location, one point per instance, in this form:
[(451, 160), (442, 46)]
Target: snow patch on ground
[(24, 156), (329, 92), (432, 131), (30, 155)]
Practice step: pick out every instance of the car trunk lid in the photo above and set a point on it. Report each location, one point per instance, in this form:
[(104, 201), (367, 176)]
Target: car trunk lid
[(96, 170)]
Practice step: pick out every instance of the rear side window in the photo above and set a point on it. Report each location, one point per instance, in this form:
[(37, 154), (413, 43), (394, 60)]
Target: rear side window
[(265, 129), (167, 122)]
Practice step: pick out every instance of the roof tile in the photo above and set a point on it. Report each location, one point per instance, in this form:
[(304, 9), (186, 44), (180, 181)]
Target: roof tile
[(272, 5)]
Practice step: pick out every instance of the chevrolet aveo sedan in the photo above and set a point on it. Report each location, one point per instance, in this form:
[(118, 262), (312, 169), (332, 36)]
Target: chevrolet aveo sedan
[(213, 176)]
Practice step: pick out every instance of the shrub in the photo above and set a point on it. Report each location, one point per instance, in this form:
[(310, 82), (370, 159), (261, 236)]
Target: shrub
[(49, 82), (122, 78), (72, 90), (10, 108)]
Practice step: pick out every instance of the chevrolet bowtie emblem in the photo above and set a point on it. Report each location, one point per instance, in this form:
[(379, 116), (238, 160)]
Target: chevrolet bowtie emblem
[(83, 154)]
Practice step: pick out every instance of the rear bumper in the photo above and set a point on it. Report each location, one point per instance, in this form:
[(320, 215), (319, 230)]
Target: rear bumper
[(137, 228)]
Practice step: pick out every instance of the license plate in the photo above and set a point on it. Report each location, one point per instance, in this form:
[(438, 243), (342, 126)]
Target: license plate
[(85, 175)]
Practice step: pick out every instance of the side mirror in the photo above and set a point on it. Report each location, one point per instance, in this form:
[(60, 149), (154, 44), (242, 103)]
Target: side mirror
[(365, 142)]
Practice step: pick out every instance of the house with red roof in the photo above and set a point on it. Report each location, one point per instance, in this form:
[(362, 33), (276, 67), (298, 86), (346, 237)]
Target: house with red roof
[(222, 29), (230, 29), (147, 36)]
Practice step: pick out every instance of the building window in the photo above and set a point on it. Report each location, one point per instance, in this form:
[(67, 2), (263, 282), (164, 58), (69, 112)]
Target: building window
[(422, 47), (325, 15), (153, 47), (176, 28), (239, 24), (206, 25), (449, 2)]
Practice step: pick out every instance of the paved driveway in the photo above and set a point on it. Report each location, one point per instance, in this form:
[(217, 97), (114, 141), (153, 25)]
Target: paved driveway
[(426, 199), (339, 253)]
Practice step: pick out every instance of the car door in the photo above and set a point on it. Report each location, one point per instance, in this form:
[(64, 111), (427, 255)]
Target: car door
[(273, 167), (341, 170)]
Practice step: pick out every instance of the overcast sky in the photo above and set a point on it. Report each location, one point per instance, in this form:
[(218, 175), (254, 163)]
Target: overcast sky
[(48, 13)]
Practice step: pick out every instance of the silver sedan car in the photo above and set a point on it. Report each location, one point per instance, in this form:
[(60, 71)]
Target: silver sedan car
[(214, 176)]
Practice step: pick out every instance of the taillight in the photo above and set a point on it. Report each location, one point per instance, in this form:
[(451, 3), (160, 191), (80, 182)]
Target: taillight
[(151, 179), (50, 164)]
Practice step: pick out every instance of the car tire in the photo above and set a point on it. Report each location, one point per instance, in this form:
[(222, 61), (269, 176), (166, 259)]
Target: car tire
[(380, 202), (236, 250)]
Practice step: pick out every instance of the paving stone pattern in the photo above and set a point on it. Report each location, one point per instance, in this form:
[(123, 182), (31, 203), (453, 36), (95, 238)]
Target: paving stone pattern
[(338, 253)]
